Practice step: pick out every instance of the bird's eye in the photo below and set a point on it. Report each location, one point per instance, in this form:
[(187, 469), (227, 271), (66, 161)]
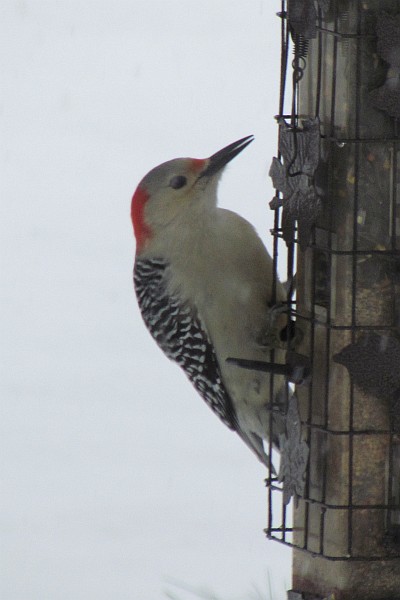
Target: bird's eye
[(178, 182)]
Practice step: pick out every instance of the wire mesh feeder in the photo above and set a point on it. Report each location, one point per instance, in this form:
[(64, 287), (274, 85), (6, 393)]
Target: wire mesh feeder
[(337, 208)]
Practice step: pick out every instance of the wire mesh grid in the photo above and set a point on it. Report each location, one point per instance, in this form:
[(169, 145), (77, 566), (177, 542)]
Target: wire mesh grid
[(347, 289)]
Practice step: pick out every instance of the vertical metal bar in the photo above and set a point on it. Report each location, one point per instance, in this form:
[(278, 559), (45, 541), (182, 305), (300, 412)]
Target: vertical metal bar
[(310, 396), (394, 166), (319, 67), (354, 270), (284, 58), (330, 270)]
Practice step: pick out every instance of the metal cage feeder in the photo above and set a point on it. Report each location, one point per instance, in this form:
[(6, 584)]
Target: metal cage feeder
[(337, 213)]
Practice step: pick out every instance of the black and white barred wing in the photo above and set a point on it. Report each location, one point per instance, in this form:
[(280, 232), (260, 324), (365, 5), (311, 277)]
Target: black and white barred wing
[(180, 335)]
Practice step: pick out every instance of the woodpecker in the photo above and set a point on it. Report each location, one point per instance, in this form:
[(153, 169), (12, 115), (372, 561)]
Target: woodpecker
[(203, 281)]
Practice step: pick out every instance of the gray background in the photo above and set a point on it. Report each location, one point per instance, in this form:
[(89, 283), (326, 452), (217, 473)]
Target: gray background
[(117, 481)]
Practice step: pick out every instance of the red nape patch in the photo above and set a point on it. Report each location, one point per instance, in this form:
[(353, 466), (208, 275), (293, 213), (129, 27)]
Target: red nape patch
[(141, 229), (198, 163)]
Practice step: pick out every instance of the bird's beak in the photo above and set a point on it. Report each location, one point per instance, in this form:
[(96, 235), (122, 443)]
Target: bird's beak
[(221, 158)]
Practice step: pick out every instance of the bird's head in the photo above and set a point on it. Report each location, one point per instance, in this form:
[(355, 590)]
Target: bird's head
[(179, 187)]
